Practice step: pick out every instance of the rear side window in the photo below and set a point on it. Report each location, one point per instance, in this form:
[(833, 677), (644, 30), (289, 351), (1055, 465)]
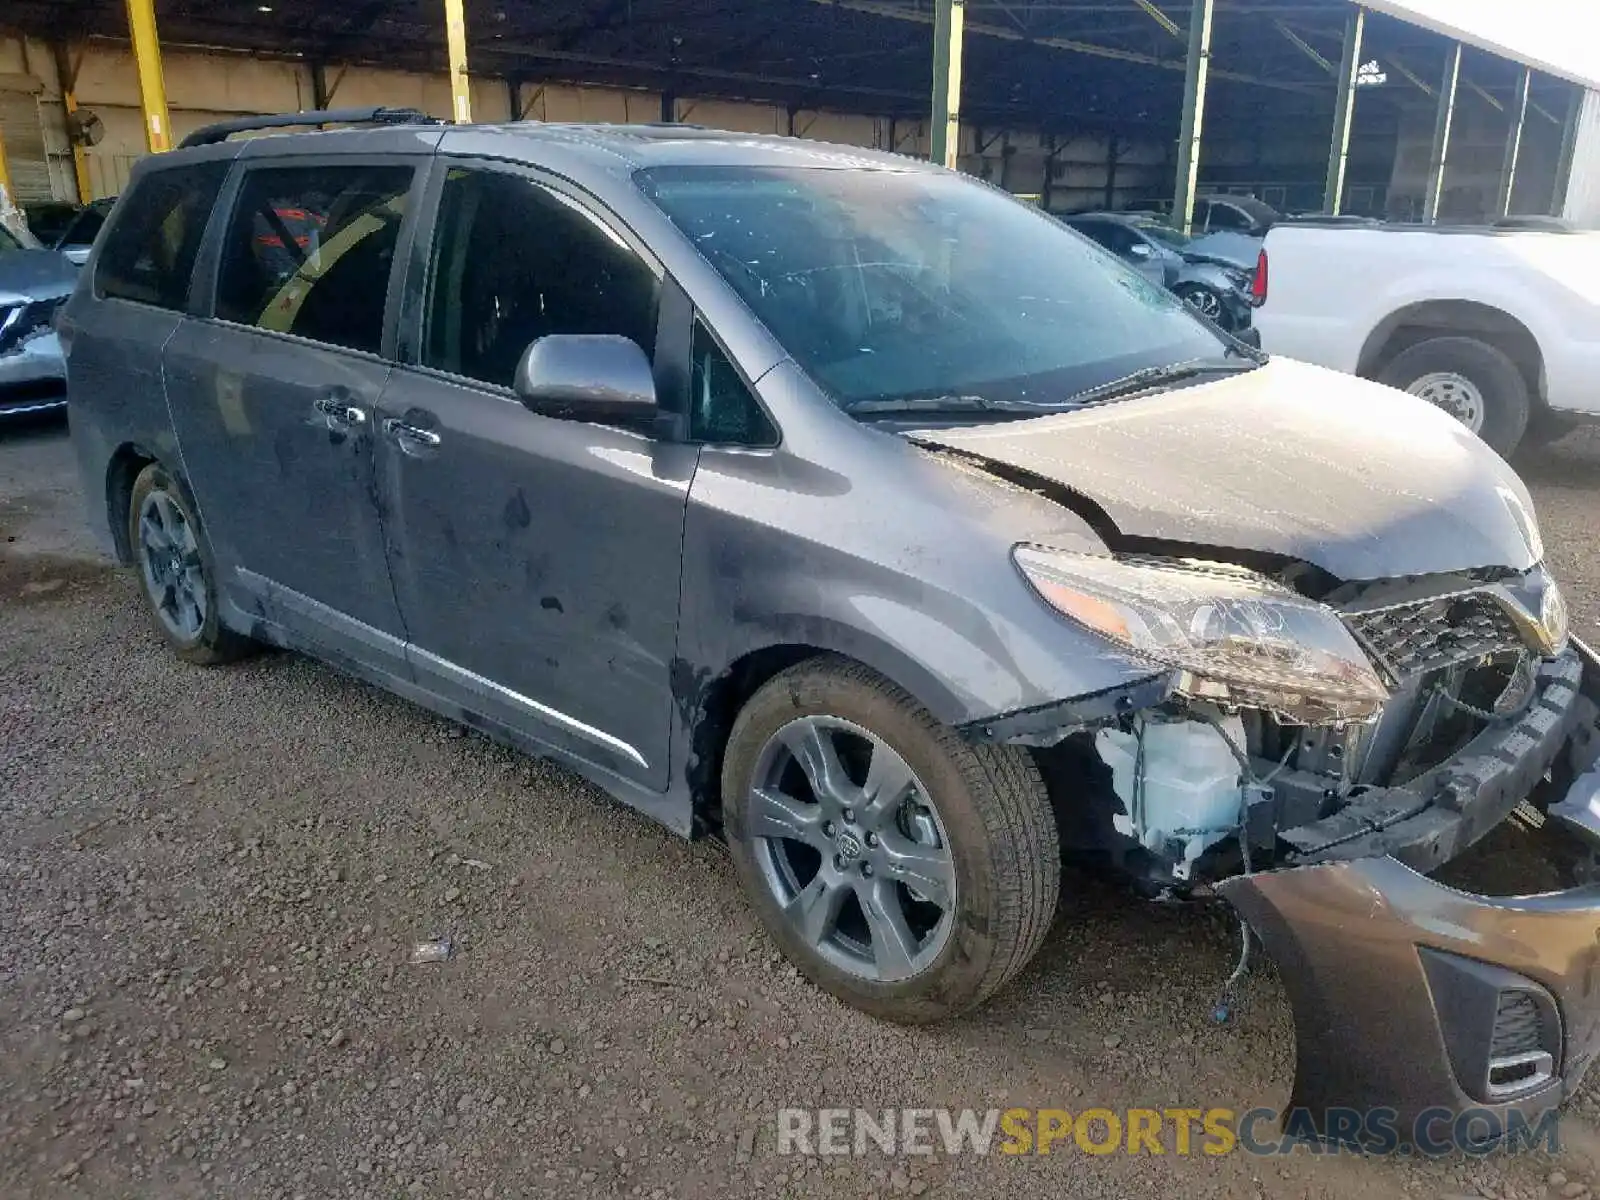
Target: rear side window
[(309, 251), (149, 253)]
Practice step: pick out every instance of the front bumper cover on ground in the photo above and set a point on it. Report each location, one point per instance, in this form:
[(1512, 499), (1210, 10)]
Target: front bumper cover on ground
[(1396, 980)]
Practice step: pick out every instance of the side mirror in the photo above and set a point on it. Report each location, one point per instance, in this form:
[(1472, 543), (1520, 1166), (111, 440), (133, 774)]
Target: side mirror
[(1139, 250), (599, 377)]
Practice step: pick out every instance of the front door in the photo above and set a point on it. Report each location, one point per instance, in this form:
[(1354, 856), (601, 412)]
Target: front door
[(536, 560), (274, 399)]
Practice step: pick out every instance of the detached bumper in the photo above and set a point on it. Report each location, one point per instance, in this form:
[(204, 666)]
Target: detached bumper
[(1409, 995)]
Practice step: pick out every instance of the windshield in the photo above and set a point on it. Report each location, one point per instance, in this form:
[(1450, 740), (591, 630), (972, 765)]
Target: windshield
[(887, 285)]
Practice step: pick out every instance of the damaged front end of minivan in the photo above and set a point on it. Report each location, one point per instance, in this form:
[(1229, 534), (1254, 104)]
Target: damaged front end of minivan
[(1312, 759)]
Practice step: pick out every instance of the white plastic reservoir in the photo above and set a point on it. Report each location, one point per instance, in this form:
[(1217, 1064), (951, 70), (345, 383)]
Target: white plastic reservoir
[(1191, 783)]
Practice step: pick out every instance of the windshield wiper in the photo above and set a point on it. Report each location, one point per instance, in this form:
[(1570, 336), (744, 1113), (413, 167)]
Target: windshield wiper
[(939, 405), (1153, 377)]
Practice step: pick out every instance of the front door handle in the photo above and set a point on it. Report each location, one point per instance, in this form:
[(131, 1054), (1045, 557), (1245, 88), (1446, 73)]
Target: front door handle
[(403, 431), (335, 409)]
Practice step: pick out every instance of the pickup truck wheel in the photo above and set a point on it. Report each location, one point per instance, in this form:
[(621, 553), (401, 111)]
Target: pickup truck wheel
[(1471, 380), (902, 869), (177, 573)]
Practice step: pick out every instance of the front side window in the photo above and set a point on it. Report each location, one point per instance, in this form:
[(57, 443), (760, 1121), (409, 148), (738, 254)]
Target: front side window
[(1115, 238), (721, 407), (900, 285), (514, 262), (150, 252), (309, 251)]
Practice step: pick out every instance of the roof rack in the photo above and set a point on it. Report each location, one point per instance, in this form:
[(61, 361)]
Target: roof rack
[(222, 130)]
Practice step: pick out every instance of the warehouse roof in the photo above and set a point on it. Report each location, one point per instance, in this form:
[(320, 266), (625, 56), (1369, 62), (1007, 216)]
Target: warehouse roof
[(1070, 65), (1545, 34)]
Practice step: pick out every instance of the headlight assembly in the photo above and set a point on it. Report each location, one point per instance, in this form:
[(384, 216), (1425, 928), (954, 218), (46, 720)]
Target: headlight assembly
[(1239, 637)]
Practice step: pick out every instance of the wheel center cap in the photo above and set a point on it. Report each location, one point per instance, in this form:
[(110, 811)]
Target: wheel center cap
[(848, 845)]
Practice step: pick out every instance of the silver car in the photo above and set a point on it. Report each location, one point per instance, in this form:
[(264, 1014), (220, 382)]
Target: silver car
[(33, 285), (854, 512)]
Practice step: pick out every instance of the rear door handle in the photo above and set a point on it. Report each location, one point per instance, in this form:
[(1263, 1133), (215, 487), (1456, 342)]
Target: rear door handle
[(336, 409), (405, 432)]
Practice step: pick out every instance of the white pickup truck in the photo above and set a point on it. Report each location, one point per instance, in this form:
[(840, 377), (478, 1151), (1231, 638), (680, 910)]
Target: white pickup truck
[(1501, 328)]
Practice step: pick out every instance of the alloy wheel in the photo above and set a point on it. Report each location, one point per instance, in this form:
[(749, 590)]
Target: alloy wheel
[(1205, 302), (852, 849), (170, 560)]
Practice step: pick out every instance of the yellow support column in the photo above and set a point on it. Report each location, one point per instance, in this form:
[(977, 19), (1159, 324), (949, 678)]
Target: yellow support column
[(152, 87), (8, 197), (67, 75), (455, 30)]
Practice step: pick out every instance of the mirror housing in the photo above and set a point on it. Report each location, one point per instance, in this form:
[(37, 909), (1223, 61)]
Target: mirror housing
[(1140, 250), (600, 377)]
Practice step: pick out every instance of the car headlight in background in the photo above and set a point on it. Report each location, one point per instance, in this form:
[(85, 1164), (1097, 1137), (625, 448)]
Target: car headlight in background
[(1241, 637)]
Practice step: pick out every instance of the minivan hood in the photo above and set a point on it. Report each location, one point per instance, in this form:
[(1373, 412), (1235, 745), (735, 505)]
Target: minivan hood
[(1289, 459)]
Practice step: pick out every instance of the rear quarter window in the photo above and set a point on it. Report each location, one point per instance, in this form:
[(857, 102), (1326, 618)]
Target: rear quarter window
[(150, 248)]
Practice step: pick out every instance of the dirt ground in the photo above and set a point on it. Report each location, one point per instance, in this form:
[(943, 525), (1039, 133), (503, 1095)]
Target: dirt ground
[(211, 882)]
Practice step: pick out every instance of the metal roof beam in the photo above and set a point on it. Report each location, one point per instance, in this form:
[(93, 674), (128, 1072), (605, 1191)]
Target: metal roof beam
[(1411, 76), (1162, 19), (879, 8), (1305, 47)]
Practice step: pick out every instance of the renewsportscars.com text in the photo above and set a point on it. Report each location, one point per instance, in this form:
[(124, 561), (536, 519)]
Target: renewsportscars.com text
[(1182, 1132)]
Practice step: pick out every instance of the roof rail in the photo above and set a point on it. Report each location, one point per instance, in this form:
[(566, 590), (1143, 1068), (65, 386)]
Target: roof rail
[(222, 130)]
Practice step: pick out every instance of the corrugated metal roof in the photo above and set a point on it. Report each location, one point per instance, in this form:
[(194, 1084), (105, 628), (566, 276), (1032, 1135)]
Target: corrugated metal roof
[(1557, 36)]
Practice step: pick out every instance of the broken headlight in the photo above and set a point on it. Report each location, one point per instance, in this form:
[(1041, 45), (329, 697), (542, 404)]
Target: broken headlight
[(1239, 637)]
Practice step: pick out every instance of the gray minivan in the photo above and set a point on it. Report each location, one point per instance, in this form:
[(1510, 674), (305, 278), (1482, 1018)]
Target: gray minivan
[(853, 511)]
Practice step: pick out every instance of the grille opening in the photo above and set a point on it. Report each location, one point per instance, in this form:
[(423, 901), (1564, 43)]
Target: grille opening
[(1517, 1061), (1416, 639), (1516, 1025)]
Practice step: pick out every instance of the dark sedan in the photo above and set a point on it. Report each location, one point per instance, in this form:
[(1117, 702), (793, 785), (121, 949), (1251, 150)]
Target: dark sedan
[(1217, 290)]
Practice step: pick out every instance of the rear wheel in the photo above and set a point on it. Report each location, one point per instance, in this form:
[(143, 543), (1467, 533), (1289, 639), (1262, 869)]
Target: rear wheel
[(902, 869), (1474, 382), (176, 569)]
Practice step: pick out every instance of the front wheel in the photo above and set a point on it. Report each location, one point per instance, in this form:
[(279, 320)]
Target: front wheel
[(1474, 382), (900, 868), (1204, 301)]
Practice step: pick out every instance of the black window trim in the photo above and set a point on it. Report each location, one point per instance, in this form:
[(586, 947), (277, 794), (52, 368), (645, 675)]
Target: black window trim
[(203, 287), (413, 315), (149, 167)]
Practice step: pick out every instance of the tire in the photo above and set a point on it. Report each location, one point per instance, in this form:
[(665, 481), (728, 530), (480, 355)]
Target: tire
[(987, 818), (181, 566), (1498, 381)]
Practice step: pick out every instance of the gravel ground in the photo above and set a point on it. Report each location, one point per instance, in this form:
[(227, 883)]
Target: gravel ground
[(211, 882)]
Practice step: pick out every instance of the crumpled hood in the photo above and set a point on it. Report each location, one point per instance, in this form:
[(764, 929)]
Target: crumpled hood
[(1360, 480), (27, 275)]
